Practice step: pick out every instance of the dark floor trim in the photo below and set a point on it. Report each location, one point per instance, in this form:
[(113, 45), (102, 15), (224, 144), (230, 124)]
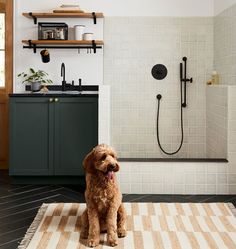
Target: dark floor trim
[(187, 160)]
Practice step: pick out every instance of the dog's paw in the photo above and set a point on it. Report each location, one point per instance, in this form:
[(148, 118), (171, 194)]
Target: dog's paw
[(121, 232), (112, 241), (93, 242)]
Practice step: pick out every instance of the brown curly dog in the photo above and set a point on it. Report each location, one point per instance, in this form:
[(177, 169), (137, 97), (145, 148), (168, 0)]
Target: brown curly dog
[(105, 211)]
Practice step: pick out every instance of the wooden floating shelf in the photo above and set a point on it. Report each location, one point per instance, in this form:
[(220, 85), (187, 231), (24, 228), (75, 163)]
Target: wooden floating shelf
[(58, 15), (61, 42), (35, 15)]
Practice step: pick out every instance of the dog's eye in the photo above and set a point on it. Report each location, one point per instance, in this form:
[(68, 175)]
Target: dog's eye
[(113, 155), (103, 157)]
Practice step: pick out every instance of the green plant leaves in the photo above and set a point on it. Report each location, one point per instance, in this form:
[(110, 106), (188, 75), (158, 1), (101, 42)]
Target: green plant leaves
[(34, 76), (32, 70)]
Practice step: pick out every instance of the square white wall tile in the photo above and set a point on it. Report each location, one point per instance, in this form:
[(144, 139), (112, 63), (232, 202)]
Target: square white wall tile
[(224, 46), (133, 90), (104, 115), (164, 182)]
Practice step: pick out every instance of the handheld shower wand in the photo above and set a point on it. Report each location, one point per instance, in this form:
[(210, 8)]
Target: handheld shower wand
[(183, 104)]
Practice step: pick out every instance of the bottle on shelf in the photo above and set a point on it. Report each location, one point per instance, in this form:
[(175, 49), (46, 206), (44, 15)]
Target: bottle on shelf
[(215, 78)]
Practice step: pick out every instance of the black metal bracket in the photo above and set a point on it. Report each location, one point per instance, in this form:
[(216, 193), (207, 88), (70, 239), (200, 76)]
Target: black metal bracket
[(32, 45), (94, 17), (94, 46), (35, 47), (34, 17)]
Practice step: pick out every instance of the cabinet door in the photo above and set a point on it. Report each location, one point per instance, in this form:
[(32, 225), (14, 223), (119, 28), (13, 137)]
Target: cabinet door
[(31, 136), (76, 133)]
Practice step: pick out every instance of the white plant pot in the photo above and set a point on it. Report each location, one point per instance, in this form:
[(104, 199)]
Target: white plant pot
[(35, 86)]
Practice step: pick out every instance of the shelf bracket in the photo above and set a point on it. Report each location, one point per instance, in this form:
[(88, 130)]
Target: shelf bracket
[(94, 17), (32, 46), (34, 17), (94, 46)]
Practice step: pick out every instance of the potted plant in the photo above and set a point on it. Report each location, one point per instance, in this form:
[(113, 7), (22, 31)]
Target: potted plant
[(35, 78)]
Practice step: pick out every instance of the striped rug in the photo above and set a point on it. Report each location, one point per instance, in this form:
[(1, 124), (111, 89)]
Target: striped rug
[(149, 225)]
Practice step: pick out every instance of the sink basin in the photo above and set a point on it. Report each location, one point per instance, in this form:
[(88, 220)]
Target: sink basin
[(62, 92), (67, 92), (89, 92)]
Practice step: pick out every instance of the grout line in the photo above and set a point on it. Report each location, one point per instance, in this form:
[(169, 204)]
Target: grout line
[(16, 194), (29, 196), (26, 209), (26, 203), (24, 227)]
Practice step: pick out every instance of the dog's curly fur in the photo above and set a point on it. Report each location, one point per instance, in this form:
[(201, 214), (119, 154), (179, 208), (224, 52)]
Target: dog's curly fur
[(105, 211)]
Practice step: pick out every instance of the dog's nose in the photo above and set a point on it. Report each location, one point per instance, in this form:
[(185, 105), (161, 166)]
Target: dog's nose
[(111, 166)]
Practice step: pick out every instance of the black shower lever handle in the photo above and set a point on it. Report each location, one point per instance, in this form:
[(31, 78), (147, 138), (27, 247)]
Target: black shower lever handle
[(190, 80)]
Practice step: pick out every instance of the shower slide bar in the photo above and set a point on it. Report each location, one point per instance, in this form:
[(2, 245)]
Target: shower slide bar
[(183, 79)]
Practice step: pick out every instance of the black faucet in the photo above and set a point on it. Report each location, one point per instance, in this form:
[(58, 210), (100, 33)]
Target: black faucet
[(80, 85), (63, 74), (69, 86)]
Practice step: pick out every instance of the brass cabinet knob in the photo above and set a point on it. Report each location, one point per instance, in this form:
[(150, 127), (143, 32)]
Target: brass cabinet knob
[(51, 100), (56, 99)]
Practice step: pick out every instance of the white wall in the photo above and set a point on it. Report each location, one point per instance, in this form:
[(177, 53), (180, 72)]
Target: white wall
[(128, 59), (149, 7), (224, 45), (216, 121), (152, 7), (182, 178), (220, 5), (185, 177), (89, 67)]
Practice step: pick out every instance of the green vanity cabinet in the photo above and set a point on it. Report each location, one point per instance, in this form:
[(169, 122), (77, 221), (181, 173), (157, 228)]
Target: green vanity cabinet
[(51, 136), (76, 133), (31, 140)]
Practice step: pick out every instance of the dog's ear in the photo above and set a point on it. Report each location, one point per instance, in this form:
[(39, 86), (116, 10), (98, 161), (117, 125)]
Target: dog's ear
[(88, 162)]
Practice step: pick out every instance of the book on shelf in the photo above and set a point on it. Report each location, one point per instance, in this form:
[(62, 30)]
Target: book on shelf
[(68, 8)]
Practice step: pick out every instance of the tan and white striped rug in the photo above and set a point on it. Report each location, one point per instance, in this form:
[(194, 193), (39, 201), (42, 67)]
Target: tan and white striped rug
[(149, 225)]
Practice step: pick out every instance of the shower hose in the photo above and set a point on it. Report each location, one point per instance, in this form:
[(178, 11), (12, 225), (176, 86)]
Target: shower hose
[(182, 128)]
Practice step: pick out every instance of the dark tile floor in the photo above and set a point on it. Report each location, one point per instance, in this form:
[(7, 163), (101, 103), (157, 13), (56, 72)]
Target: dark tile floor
[(19, 204)]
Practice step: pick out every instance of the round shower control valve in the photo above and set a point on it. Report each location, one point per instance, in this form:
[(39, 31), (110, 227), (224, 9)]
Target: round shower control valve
[(159, 72)]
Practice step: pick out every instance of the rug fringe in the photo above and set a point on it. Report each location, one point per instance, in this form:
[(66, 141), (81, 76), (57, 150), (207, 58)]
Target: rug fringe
[(33, 227), (232, 208)]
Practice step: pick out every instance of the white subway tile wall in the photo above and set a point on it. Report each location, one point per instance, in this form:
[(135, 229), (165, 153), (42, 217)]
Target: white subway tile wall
[(225, 64), (232, 139), (225, 46), (195, 177), (176, 178), (133, 46), (216, 121), (104, 114)]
